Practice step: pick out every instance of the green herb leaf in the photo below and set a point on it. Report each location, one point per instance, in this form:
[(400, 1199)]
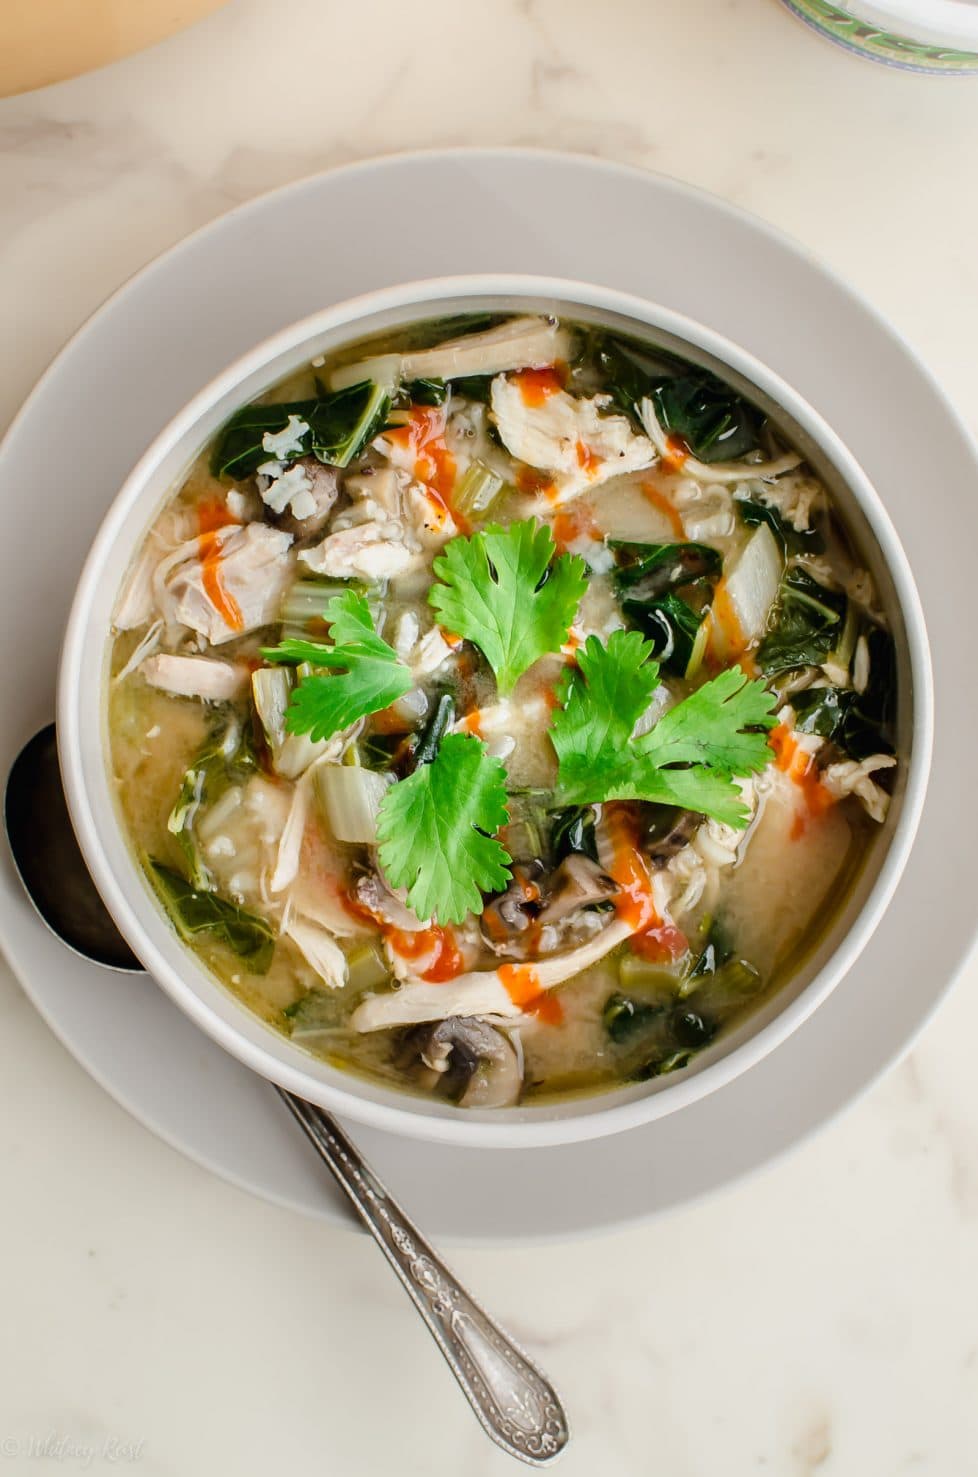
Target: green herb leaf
[(364, 673), (194, 912), (340, 424), (689, 758), (437, 831), (504, 590)]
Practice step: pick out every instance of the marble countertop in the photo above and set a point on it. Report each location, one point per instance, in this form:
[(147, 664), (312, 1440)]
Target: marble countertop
[(820, 1319)]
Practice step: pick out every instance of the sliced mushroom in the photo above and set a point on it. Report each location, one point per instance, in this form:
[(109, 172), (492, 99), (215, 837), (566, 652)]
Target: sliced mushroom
[(508, 915), (675, 832), (577, 883), (378, 900), (466, 1059), (309, 512)]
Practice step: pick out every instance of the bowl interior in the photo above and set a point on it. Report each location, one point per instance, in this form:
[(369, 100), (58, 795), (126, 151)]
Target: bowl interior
[(83, 733)]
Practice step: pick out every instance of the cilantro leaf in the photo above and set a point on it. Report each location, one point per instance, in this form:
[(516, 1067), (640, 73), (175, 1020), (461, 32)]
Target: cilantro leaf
[(504, 590), (437, 831), (364, 674), (690, 756)]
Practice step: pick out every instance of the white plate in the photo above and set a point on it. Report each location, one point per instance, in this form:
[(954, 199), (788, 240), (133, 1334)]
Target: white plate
[(279, 258)]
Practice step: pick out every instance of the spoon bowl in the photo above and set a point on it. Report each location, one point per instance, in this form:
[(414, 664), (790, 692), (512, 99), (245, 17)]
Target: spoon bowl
[(49, 861)]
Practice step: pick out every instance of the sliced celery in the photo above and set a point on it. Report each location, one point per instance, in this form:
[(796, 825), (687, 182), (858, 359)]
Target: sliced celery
[(476, 491), (367, 966), (306, 600), (350, 797)]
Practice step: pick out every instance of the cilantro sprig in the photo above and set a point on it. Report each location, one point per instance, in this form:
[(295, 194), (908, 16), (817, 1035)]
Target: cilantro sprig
[(437, 831), (362, 673), (504, 590), (689, 758)]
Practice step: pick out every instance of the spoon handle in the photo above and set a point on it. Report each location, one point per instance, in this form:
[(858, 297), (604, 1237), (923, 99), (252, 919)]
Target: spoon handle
[(516, 1406)]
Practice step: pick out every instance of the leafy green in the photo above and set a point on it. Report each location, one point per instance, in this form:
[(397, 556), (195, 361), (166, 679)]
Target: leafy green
[(504, 590), (340, 425), (719, 978), (572, 832), (859, 723), (195, 912), (647, 571), (792, 540), (688, 758), (224, 756), (437, 831), (473, 386), (714, 421), (806, 624), (364, 673), (674, 630), (628, 371), (625, 1017), (648, 578), (423, 392)]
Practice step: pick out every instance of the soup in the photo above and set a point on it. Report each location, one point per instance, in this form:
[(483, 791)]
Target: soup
[(500, 709)]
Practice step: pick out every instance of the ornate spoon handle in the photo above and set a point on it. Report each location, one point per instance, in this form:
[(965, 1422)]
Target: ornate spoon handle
[(516, 1406)]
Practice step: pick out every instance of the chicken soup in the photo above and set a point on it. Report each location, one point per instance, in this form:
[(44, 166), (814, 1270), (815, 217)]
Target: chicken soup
[(500, 709)]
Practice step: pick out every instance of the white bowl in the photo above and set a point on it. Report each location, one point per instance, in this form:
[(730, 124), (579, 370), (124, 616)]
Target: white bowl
[(84, 748)]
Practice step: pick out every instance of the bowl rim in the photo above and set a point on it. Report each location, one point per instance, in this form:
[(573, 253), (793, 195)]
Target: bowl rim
[(347, 1093)]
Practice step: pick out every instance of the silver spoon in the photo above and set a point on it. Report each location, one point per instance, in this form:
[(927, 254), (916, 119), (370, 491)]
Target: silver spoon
[(516, 1406)]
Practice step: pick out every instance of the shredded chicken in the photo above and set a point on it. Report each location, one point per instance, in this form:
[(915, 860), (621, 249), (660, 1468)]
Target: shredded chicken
[(522, 343), (203, 677), (137, 605), (481, 991), (250, 566), (572, 439), (794, 496), (319, 949), (713, 471), (371, 551), (852, 777)]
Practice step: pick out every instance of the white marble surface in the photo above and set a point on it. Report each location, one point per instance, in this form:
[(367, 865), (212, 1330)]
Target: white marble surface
[(822, 1318)]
